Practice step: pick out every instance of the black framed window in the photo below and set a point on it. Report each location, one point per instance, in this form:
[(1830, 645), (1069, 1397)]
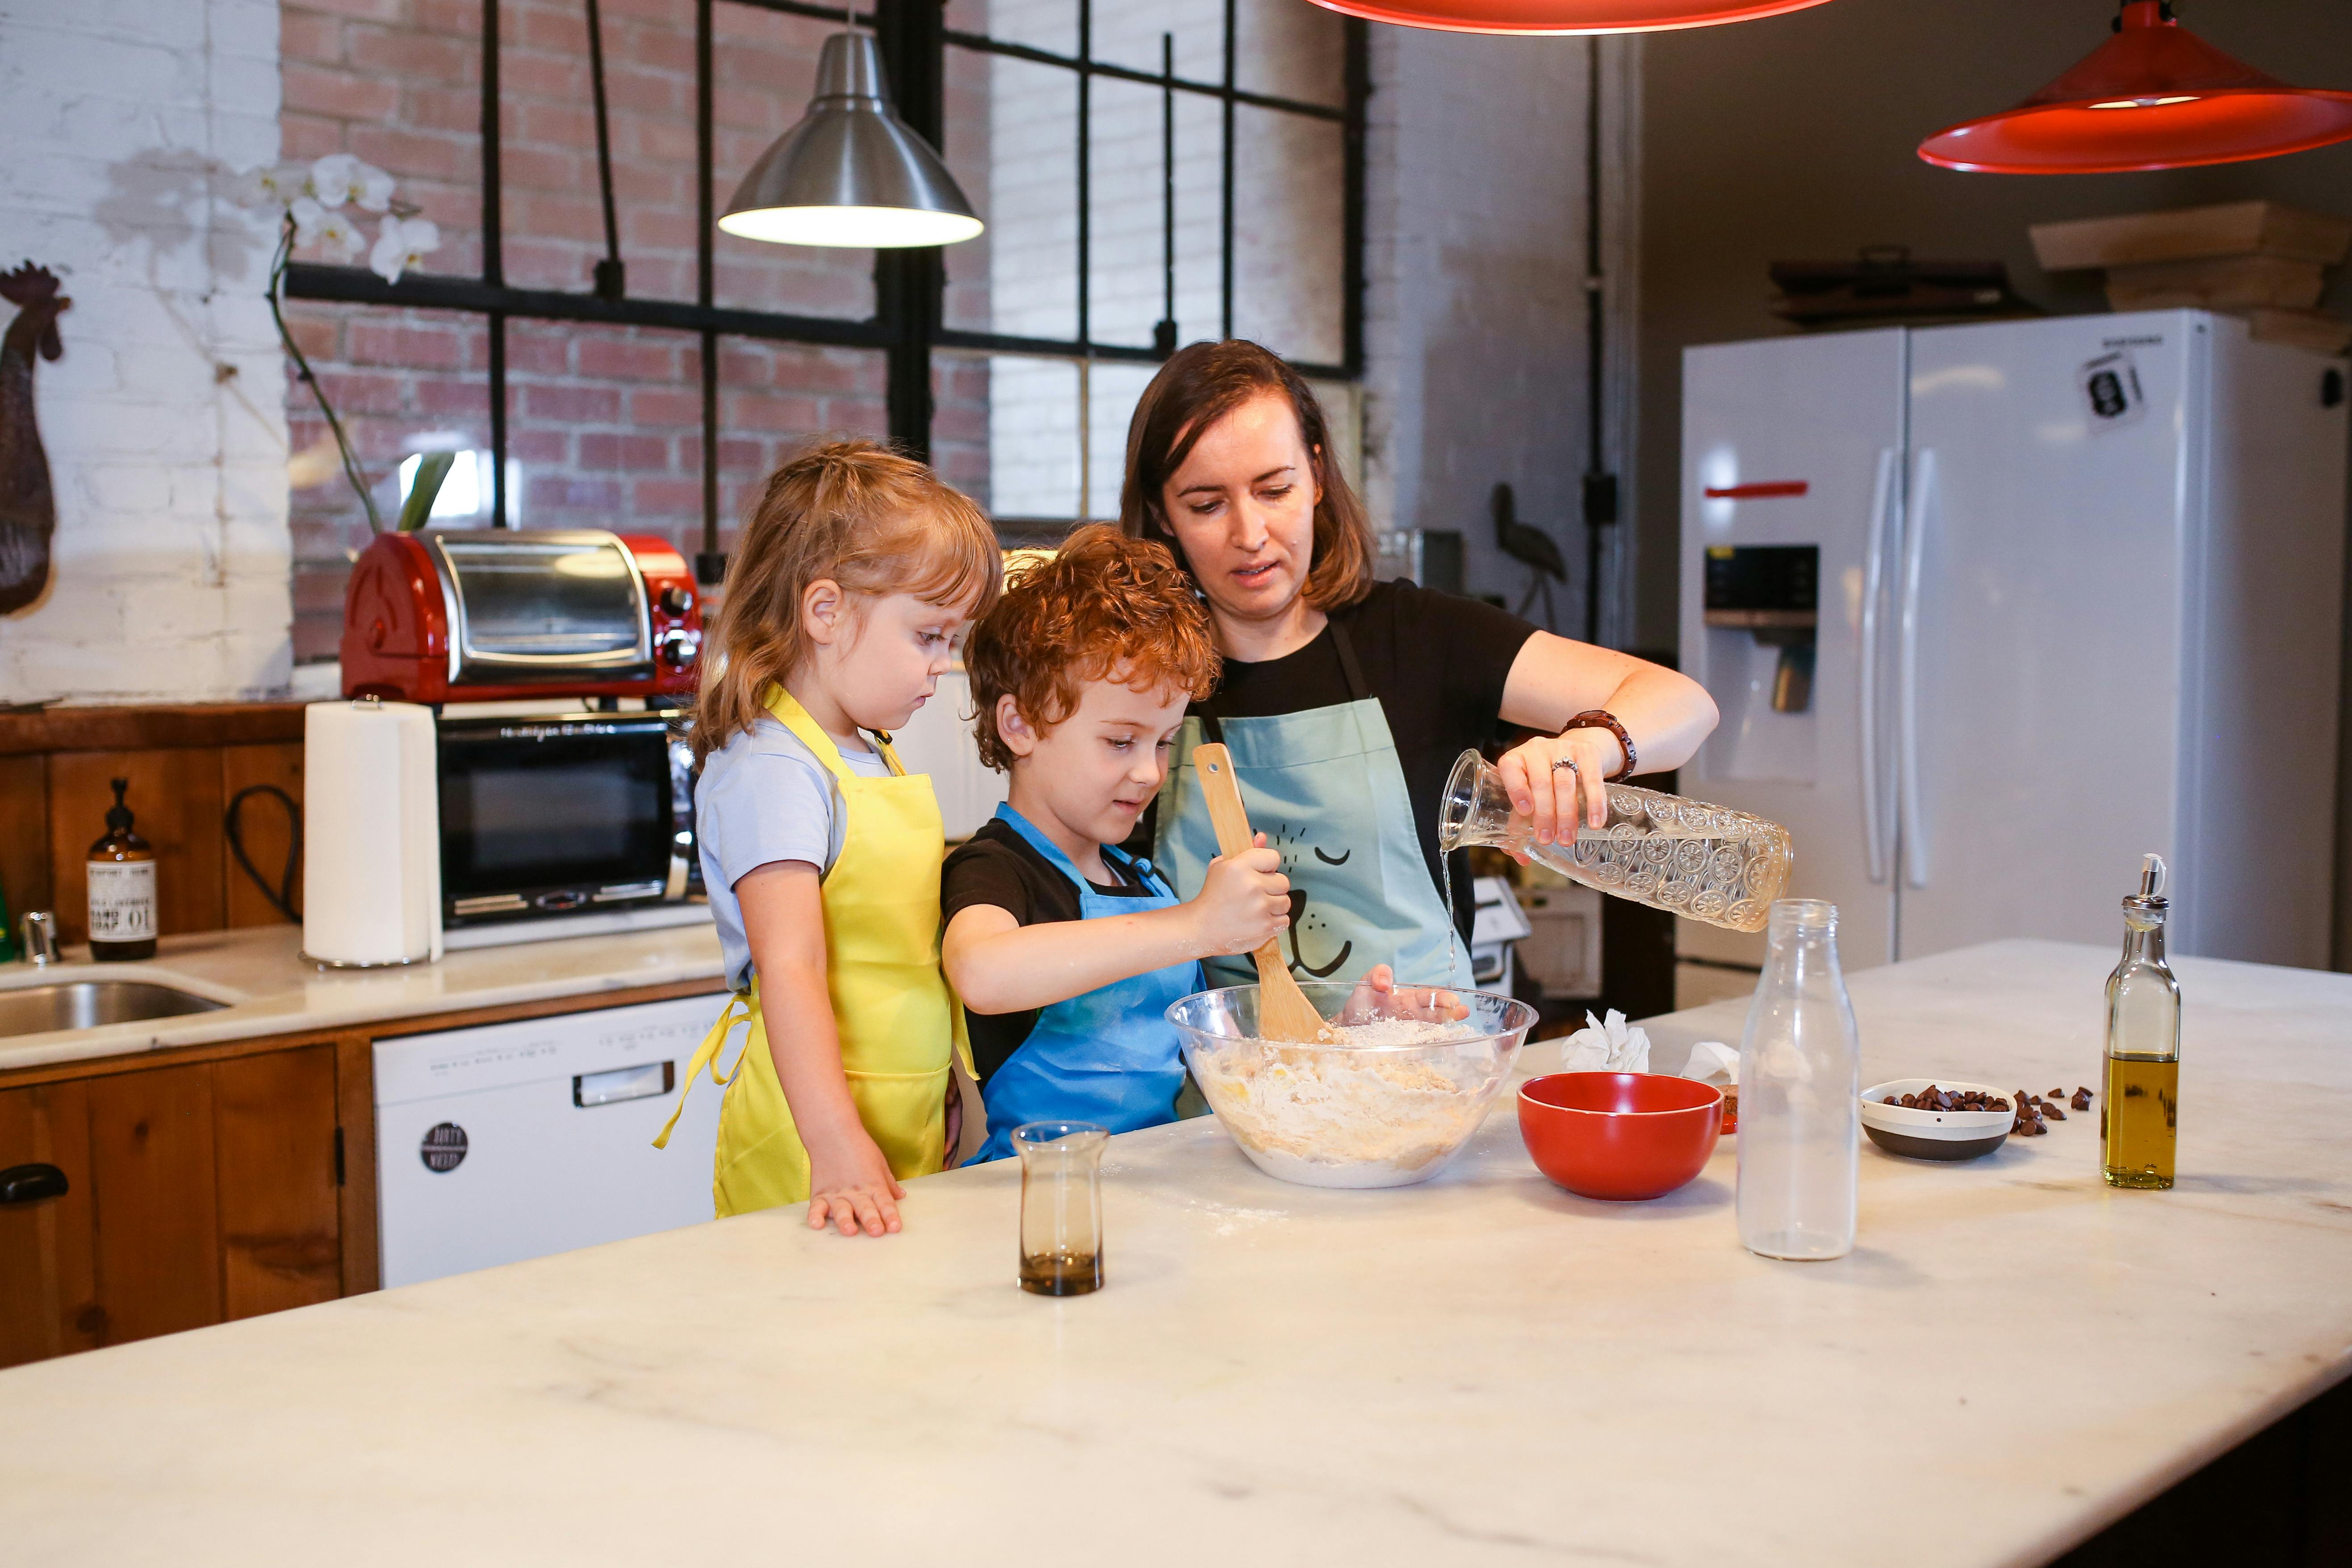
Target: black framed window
[(1151, 174)]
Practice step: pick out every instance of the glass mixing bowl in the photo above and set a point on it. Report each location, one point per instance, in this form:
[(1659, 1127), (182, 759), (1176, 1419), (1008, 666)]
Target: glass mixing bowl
[(1379, 1110)]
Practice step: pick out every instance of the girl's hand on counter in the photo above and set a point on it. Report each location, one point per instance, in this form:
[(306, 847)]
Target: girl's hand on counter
[(1378, 995), (1556, 796), (850, 1185), (1243, 902)]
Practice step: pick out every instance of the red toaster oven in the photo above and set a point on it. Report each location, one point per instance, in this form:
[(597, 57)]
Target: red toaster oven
[(483, 616)]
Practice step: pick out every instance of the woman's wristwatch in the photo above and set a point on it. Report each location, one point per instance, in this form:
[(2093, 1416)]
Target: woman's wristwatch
[(1601, 719)]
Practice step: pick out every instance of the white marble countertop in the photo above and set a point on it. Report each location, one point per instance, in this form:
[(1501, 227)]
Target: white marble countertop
[(1484, 1368), (272, 990)]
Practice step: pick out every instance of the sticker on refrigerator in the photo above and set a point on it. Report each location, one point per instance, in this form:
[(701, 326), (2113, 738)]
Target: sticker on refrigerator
[(2111, 387)]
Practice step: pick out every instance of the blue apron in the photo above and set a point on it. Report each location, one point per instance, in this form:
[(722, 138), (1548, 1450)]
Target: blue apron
[(1327, 788), (1107, 1055)]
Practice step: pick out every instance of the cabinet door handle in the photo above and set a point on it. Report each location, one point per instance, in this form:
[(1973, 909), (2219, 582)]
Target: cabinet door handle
[(31, 1183)]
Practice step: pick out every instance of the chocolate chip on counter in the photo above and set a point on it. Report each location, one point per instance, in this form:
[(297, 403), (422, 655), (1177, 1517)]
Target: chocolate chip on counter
[(2057, 1094), (2082, 1101), (2053, 1112), (2039, 1128)]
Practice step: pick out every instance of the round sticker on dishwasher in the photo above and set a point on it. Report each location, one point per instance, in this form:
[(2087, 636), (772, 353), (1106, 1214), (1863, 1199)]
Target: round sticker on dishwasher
[(444, 1148)]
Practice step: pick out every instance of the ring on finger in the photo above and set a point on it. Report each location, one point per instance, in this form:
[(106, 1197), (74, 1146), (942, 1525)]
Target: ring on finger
[(1570, 764)]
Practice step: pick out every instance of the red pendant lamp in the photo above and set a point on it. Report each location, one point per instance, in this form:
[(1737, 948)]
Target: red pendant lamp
[(1546, 16), (2155, 96)]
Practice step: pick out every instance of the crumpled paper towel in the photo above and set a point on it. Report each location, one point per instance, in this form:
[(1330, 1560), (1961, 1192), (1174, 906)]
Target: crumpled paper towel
[(1709, 1059), (1612, 1045)]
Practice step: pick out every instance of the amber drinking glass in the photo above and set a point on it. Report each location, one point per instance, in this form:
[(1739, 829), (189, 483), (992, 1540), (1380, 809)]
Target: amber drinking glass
[(1061, 1206)]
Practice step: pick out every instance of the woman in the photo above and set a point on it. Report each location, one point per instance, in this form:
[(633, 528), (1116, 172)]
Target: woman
[(1345, 701)]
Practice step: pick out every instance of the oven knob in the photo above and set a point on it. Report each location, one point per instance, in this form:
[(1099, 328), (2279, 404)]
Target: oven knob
[(676, 600), (679, 650)]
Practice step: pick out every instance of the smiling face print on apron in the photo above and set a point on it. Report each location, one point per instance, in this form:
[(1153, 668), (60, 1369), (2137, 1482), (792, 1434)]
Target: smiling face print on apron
[(1327, 788)]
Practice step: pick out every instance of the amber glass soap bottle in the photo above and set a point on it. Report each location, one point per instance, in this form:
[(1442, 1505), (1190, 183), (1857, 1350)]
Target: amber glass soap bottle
[(121, 887)]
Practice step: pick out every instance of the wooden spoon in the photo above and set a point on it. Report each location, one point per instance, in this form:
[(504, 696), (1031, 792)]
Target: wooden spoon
[(1283, 1013)]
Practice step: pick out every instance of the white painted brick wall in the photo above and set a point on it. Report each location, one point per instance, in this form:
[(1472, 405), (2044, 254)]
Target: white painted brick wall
[(166, 421)]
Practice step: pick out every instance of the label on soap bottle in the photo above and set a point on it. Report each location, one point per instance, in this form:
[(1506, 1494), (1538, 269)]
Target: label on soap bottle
[(122, 900)]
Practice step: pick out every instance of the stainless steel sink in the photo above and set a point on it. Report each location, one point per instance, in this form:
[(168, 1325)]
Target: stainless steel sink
[(86, 1004)]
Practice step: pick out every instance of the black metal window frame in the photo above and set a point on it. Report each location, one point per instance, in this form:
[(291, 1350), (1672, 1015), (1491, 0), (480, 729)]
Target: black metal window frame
[(907, 324)]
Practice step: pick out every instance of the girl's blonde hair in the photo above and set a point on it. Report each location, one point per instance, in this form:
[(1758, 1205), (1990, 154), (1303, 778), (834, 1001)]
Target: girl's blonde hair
[(871, 519)]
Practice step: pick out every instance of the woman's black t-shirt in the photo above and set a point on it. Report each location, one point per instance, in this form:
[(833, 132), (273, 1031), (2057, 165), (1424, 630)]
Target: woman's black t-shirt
[(1436, 661)]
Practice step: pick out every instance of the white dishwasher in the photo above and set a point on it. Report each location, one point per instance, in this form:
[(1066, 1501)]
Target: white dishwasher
[(515, 1141)]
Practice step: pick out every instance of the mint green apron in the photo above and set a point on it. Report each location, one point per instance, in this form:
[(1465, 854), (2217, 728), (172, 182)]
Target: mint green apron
[(1327, 788)]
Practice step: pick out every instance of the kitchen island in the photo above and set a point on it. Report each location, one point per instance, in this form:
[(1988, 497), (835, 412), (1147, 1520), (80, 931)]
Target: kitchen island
[(1481, 1369)]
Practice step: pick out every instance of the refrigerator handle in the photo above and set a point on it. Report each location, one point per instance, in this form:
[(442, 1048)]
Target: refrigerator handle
[(1873, 575), (1915, 547)]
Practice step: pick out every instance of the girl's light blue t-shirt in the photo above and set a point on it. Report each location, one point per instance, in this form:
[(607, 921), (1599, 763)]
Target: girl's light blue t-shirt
[(765, 796)]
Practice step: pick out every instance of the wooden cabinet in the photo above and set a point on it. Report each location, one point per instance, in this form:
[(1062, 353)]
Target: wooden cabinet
[(195, 1194), (205, 1183)]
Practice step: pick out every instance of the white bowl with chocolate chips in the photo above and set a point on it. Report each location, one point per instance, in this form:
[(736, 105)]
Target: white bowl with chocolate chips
[(1938, 1119)]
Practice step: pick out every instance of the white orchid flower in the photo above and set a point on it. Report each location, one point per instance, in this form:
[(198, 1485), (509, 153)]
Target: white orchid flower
[(273, 184), (403, 243), (371, 188), (308, 214), (338, 177), (339, 238), (331, 179)]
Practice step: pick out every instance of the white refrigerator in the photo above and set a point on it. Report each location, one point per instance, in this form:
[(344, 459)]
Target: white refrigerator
[(1992, 610)]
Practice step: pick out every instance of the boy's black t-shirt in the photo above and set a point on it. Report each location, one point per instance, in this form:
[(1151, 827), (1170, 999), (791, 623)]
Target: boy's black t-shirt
[(1436, 661), (997, 866)]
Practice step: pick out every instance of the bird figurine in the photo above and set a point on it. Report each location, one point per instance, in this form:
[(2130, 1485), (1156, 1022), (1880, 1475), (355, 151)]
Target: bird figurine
[(29, 509), (1532, 548)]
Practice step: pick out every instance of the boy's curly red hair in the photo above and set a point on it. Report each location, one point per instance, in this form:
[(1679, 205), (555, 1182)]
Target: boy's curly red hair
[(1103, 604)]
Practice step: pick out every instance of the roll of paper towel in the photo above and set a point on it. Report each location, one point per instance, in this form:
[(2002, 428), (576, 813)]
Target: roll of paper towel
[(371, 834)]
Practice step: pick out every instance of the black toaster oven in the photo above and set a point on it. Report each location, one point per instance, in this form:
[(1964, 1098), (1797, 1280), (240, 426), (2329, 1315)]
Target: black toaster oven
[(563, 813)]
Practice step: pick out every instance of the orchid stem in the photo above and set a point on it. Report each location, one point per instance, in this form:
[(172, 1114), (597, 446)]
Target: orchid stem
[(352, 470)]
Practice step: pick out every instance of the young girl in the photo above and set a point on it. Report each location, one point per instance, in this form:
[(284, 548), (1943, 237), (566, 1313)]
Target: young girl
[(821, 854)]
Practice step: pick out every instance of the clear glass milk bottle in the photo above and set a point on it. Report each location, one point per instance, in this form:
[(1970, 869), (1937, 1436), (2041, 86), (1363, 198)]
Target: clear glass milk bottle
[(1799, 1094), (1704, 862)]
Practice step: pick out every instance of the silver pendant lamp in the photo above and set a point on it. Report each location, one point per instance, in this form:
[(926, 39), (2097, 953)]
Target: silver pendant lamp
[(851, 172)]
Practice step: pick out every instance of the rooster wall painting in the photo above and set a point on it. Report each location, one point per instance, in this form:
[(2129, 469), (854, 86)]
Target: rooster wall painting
[(28, 510)]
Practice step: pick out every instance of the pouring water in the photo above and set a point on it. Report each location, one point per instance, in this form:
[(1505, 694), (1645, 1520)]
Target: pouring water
[(1706, 862)]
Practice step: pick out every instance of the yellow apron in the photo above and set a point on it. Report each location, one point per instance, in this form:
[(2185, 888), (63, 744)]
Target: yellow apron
[(897, 1020)]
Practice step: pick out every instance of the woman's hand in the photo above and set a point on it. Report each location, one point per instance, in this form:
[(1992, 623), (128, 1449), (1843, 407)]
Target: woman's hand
[(1243, 902), (850, 1184), (1557, 780), (1378, 995)]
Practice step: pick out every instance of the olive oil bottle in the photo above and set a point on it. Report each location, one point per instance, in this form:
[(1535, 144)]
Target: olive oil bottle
[(2140, 1110)]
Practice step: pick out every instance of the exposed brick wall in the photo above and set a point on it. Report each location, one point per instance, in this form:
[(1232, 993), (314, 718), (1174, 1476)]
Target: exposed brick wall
[(163, 421), (603, 425)]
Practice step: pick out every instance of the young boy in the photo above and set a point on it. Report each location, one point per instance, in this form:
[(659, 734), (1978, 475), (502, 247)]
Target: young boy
[(1065, 951)]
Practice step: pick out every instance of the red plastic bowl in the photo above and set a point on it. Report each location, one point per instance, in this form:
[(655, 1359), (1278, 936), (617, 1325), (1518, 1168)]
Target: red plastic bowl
[(1620, 1135)]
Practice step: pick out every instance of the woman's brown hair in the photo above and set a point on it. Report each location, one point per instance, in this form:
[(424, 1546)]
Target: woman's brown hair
[(1199, 385), (871, 520), (1103, 605)]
